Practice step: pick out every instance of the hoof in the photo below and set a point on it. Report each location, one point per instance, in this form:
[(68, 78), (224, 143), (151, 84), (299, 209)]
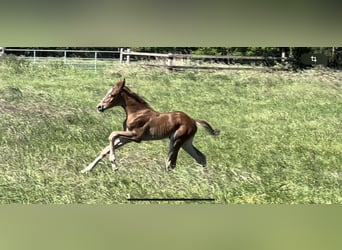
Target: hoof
[(170, 168), (115, 167), (87, 169)]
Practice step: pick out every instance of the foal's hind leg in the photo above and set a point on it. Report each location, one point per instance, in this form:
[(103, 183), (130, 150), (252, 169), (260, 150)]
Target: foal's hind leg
[(194, 152), (176, 141), (173, 154)]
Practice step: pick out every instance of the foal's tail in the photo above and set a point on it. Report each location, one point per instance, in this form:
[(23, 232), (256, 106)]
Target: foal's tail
[(208, 127)]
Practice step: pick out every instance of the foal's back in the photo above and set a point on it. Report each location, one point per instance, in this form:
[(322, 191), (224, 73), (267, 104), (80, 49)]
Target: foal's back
[(165, 125)]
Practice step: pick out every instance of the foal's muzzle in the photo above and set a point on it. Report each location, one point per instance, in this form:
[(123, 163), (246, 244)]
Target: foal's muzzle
[(100, 108)]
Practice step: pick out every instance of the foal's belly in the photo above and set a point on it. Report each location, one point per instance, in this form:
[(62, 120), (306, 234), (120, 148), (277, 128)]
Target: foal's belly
[(157, 133)]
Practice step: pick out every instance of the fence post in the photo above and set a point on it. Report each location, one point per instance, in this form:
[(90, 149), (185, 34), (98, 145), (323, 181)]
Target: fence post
[(2, 51), (283, 56), (95, 60), (127, 57), (121, 55), (34, 56), (65, 56), (169, 61)]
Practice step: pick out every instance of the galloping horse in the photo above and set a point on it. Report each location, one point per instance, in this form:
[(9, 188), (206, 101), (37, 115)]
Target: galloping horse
[(142, 123)]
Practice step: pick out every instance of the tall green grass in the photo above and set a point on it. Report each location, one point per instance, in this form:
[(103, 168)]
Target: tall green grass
[(280, 141)]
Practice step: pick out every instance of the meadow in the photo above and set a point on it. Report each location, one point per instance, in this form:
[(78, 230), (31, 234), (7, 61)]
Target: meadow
[(280, 141)]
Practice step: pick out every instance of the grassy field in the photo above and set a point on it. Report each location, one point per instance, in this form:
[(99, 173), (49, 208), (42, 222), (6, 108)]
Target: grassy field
[(280, 141)]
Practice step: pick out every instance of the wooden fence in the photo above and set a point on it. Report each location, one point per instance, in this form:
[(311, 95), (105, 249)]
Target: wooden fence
[(170, 61)]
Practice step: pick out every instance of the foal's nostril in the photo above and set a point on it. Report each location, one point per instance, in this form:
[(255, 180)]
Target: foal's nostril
[(100, 108)]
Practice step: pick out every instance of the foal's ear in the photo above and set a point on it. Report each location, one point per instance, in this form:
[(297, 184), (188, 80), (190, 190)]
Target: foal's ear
[(121, 84)]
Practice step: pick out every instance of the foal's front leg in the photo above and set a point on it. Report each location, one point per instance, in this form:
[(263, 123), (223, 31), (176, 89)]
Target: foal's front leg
[(121, 136), (104, 152)]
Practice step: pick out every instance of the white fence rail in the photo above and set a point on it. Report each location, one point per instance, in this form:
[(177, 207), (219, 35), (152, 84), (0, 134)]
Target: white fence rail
[(93, 59)]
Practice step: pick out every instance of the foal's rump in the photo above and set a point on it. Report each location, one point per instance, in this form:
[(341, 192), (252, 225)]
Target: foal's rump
[(162, 125)]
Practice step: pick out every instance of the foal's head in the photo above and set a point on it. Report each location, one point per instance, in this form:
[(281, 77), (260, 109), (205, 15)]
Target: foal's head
[(112, 98)]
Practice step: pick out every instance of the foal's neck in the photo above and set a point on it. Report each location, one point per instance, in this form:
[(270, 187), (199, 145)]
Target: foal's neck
[(133, 104)]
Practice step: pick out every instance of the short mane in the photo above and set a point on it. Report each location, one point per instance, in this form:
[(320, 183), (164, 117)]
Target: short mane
[(135, 96)]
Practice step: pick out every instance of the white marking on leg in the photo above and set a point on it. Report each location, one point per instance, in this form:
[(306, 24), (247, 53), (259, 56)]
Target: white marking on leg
[(112, 158), (104, 152), (120, 142), (112, 145), (169, 166), (91, 165)]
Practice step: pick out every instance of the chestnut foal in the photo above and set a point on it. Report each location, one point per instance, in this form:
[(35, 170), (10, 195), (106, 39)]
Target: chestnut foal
[(143, 123)]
